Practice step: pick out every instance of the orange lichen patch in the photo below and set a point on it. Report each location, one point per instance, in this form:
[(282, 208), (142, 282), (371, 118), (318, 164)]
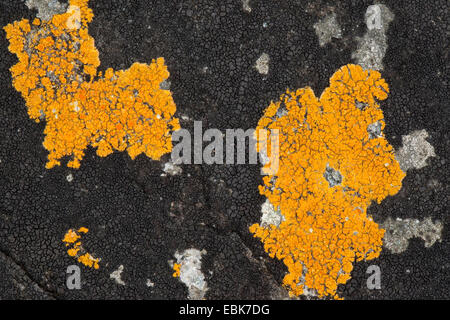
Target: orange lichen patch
[(57, 76), (330, 170), (71, 239), (88, 261), (83, 230), (176, 268)]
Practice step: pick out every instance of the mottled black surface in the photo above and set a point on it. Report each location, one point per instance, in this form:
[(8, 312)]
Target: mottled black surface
[(138, 219)]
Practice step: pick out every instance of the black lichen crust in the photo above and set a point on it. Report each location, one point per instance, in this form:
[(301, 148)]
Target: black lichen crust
[(139, 219)]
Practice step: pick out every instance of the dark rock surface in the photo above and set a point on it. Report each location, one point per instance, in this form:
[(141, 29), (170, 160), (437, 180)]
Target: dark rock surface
[(139, 219)]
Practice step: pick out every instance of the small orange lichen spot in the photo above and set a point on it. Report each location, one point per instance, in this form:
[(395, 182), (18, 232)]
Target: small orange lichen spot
[(77, 251), (333, 162), (176, 268), (83, 230), (57, 76), (73, 251), (88, 260), (70, 237)]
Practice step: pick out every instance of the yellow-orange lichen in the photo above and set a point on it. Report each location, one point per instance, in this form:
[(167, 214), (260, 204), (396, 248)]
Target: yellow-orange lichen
[(325, 226), (57, 76), (71, 239), (176, 268)]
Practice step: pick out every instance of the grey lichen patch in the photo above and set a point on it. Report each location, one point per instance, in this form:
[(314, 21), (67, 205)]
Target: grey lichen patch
[(374, 130), (361, 105), (246, 6), (415, 150), (434, 184), (116, 275), (171, 169), (327, 28), (191, 274), (399, 231), (270, 215), (282, 111), (46, 8), (373, 45), (165, 85), (262, 64), (333, 176)]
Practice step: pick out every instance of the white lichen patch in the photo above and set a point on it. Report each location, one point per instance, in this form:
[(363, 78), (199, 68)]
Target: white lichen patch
[(116, 275), (327, 28), (262, 64), (46, 8), (149, 283), (373, 45), (246, 6), (374, 130), (69, 177), (185, 118), (171, 169), (191, 274), (399, 231), (415, 151), (308, 292), (270, 216)]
